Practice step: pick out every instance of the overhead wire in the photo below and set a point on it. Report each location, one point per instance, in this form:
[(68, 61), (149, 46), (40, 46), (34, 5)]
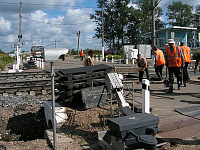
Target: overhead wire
[(55, 23)]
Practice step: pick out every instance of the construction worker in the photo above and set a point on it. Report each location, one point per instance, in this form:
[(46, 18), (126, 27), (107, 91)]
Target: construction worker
[(159, 62), (166, 46), (197, 62), (174, 61), (88, 60), (81, 54), (142, 62), (187, 59)]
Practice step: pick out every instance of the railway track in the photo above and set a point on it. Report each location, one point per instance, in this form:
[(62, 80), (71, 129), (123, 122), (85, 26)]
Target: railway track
[(24, 82)]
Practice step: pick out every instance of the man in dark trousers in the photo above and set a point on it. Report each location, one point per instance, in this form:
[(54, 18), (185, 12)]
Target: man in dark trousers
[(197, 62), (142, 62), (187, 59), (174, 61), (159, 62)]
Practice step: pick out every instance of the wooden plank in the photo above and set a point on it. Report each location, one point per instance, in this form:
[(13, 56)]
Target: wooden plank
[(127, 69)]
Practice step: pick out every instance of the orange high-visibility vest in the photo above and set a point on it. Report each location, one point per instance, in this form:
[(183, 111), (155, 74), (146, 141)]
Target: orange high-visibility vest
[(160, 59), (174, 58), (85, 62), (186, 54), (81, 53)]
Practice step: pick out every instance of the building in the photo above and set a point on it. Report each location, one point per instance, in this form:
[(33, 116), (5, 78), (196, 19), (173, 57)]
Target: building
[(179, 34)]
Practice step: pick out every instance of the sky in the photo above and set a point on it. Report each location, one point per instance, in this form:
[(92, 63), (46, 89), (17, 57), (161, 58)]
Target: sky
[(53, 23)]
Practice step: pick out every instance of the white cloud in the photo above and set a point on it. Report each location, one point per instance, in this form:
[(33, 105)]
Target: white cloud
[(42, 24), (4, 25)]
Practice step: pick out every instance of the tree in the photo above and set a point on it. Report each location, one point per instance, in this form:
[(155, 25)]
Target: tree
[(180, 14), (124, 21)]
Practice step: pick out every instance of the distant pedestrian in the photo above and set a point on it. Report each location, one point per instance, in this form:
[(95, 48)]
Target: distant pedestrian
[(88, 60), (197, 62), (187, 59), (174, 61), (159, 62), (81, 54), (142, 62)]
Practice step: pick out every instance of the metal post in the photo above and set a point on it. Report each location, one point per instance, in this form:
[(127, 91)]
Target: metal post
[(120, 60), (53, 106), (133, 94), (102, 34), (145, 96)]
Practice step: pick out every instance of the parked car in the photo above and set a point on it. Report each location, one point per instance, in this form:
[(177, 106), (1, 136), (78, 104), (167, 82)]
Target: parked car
[(111, 51)]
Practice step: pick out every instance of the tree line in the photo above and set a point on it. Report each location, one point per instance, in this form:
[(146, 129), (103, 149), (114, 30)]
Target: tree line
[(125, 21)]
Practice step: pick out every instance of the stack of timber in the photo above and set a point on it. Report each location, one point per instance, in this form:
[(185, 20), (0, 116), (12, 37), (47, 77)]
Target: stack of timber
[(70, 81)]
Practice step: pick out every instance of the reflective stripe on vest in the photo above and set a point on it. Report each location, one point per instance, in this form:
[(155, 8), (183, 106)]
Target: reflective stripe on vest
[(186, 54), (160, 58), (174, 58)]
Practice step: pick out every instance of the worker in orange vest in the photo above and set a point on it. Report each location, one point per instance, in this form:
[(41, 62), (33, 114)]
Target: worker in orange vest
[(88, 60), (197, 62), (174, 61), (166, 46), (187, 59), (159, 62), (81, 54)]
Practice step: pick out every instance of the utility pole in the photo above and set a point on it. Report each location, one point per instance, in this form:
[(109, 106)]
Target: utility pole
[(20, 22), (153, 24), (78, 41), (102, 34), (55, 43), (32, 40)]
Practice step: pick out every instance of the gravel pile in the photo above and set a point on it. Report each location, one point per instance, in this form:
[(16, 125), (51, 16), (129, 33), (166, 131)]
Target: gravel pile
[(23, 100)]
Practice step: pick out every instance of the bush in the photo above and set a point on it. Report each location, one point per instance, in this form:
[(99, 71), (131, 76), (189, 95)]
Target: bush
[(5, 59)]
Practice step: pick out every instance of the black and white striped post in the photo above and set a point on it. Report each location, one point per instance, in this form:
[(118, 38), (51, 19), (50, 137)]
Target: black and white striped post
[(145, 96)]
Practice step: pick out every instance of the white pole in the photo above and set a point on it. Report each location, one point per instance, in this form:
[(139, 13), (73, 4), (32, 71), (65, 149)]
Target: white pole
[(133, 61), (120, 60), (145, 96), (53, 105), (126, 58), (112, 59), (96, 58), (106, 58), (18, 60)]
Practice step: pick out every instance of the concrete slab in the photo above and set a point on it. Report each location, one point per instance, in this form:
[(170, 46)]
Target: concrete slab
[(63, 142)]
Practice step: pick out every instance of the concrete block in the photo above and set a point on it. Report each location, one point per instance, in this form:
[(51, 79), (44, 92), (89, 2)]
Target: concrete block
[(32, 93)]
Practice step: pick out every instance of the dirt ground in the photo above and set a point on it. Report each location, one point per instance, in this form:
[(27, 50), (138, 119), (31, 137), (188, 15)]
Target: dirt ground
[(23, 128)]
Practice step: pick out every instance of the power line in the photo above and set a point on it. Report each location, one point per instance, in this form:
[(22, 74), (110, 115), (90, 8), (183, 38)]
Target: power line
[(47, 5), (55, 23)]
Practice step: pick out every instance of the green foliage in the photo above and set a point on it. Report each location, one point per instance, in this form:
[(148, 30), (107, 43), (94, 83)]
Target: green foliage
[(1, 52), (124, 24), (115, 56), (180, 14), (5, 59)]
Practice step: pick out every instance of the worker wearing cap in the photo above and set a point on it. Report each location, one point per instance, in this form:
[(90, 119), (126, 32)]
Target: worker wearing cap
[(187, 59), (88, 61), (159, 62), (174, 61)]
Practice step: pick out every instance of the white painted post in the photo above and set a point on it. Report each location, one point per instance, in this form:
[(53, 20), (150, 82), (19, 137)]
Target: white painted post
[(18, 59), (100, 58), (133, 61), (126, 58), (112, 59), (42, 63), (145, 96), (96, 58), (92, 58), (120, 59), (106, 58)]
